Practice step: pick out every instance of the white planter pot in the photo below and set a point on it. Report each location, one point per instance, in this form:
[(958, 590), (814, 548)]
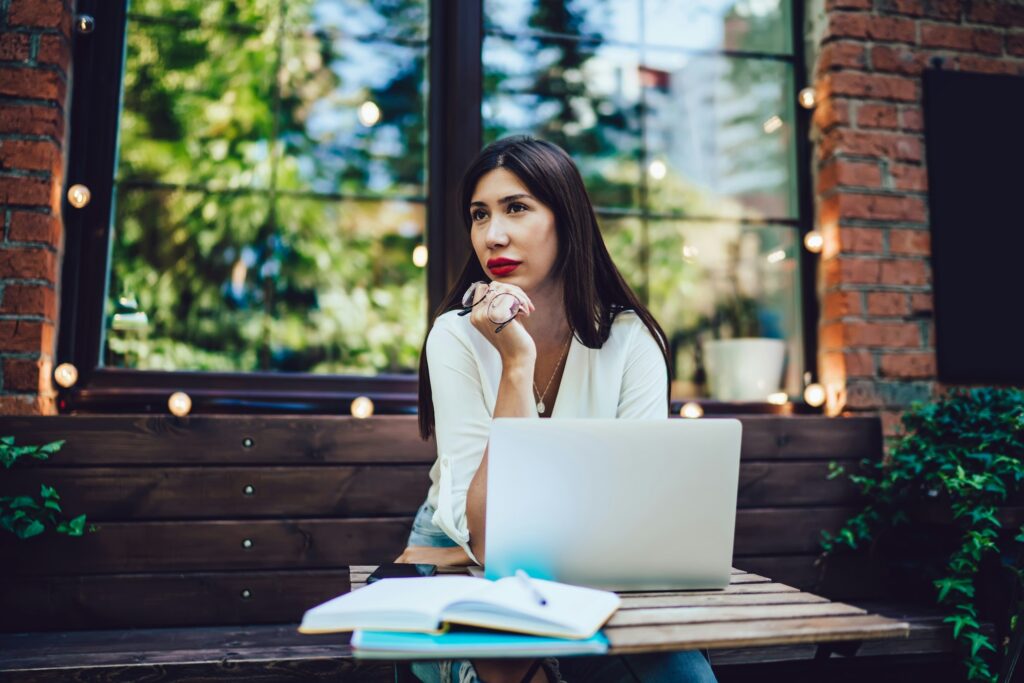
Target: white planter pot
[(745, 369)]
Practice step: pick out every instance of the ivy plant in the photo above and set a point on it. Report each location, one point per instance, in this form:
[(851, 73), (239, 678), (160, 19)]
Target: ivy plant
[(26, 516), (960, 459)]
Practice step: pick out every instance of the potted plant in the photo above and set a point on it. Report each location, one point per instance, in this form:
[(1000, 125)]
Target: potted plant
[(26, 515), (934, 506)]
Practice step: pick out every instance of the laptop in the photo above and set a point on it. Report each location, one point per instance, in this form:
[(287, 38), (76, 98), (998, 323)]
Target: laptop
[(616, 504)]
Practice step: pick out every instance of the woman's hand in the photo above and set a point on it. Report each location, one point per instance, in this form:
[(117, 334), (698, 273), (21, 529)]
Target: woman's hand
[(513, 342), (442, 557)]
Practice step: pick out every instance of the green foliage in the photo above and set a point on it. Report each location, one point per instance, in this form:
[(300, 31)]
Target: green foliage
[(965, 454), (26, 516)]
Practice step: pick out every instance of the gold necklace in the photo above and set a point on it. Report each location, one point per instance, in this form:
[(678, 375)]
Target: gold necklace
[(540, 397)]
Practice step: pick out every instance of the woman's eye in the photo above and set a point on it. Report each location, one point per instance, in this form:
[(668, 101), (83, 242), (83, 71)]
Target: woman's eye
[(516, 208), (478, 215)]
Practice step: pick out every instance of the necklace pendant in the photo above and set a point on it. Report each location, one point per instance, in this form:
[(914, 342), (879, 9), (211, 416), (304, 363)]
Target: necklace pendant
[(540, 407)]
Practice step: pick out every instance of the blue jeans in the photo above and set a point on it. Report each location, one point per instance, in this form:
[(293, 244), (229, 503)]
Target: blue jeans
[(685, 667)]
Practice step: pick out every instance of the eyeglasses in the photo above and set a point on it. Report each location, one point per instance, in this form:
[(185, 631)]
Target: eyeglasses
[(501, 310)]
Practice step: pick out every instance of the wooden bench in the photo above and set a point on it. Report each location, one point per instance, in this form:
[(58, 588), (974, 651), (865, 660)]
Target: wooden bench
[(214, 531)]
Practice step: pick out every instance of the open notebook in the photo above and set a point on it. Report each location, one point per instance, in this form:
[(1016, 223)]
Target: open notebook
[(427, 604)]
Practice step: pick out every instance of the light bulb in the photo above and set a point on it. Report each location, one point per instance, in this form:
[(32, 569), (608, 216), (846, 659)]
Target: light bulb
[(807, 98), (814, 241), (777, 256), (79, 195), (419, 256), (369, 113), (180, 404), (778, 398), (362, 407), (66, 375), (691, 410), (814, 394), (772, 124), (657, 169)]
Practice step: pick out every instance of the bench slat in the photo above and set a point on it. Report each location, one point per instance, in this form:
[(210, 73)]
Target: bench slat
[(709, 614)]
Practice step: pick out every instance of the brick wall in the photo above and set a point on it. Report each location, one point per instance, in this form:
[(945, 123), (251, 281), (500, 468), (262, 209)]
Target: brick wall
[(34, 69), (876, 336)]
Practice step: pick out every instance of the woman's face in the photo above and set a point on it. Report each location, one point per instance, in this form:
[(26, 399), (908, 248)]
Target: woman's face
[(513, 234)]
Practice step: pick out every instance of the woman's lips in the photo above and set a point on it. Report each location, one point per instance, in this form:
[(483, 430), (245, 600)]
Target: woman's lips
[(503, 269)]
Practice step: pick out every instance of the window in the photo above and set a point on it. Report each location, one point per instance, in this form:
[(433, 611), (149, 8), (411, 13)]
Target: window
[(261, 171)]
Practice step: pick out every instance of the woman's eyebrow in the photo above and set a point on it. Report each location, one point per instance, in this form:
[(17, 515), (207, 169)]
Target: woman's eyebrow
[(503, 200)]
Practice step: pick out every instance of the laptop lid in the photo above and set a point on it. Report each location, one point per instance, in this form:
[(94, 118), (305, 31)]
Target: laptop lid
[(613, 503)]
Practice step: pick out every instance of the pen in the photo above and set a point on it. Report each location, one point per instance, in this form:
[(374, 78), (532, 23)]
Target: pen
[(528, 585)]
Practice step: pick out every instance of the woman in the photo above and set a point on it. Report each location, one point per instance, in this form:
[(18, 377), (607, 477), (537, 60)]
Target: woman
[(539, 324)]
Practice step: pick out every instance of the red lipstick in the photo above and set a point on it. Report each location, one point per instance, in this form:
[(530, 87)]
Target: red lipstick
[(502, 266)]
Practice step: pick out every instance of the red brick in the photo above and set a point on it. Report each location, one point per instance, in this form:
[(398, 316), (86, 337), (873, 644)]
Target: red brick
[(31, 120), (839, 304), (895, 59), (888, 304), (961, 38), (908, 177), (881, 207), (895, 334), (14, 47), (39, 13), (54, 50), (28, 263), (841, 55), (914, 8), (21, 374), (850, 271), (29, 226), (27, 405), (944, 9), (998, 12), (847, 4), (861, 240), (881, 145), (23, 335), (911, 119), (904, 272), (910, 242), (847, 364), (40, 84), (907, 365), (849, 173), (871, 86), (921, 303), (29, 191), (877, 116), (892, 423), (990, 65), (29, 300), (31, 155), (871, 27), (831, 112), (1015, 43), (863, 395)]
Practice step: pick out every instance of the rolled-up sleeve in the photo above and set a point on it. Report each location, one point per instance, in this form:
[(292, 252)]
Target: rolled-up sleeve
[(462, 422), (644, 393)]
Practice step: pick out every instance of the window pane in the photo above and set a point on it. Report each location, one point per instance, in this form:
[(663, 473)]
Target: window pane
[(615, 21), (332, 288), (725, 280), (724, 131), (735, 25), (271, 188)]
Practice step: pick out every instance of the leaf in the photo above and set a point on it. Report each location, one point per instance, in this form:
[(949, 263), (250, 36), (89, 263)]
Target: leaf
[(34, 528)]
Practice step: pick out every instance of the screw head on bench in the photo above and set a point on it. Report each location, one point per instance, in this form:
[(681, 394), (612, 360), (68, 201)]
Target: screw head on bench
[(247, 442), (249, 489), (247, 543), (246, 593)]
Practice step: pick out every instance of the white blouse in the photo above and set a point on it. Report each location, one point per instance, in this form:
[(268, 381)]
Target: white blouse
[(625, 378)]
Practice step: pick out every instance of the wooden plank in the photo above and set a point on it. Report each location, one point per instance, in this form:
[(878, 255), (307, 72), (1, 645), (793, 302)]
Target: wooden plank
[(789, 484), (748, 578), (625, 639), (126, 547), (219, 439), (778, 598), (677, 598), (799, 437), (785, 531), (168, 599), (151, 493), (715, 613)]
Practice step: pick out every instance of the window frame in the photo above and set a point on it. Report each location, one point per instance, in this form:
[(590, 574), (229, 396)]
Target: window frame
[(455, 131)]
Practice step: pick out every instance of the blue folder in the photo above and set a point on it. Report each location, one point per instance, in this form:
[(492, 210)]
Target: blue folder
[(466, 644)]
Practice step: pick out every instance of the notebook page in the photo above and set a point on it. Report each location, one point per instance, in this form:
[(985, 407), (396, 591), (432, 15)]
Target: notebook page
[(402, 604)]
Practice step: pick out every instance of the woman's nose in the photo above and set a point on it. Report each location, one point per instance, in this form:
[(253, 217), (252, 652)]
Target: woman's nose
[(497, 235)]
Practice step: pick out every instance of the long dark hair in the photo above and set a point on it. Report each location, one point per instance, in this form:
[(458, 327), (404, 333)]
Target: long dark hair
[(597, 292)]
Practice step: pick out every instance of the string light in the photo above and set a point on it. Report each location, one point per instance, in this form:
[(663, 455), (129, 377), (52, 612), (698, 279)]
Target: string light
[(419, 256), (778, 398), (691, 410), (814, 241), (814, 395), (66, 375), (361, 408), (657, 169), (772, 124), (369, 113), (180, 404), (79, 195), (807, 98)]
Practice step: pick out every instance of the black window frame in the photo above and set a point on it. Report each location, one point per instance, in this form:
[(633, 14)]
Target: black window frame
[(455, 135)]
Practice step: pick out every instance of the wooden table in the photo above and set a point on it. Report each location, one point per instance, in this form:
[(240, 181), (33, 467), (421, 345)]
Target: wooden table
[(753, 611)]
